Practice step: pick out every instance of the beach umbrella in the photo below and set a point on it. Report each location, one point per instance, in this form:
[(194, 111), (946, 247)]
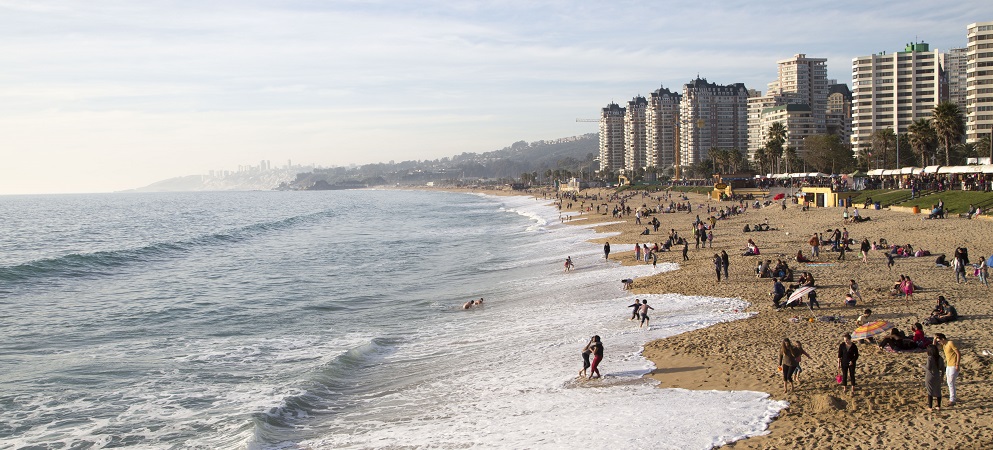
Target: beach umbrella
[(799, 294), (989, 261), (871, 329)]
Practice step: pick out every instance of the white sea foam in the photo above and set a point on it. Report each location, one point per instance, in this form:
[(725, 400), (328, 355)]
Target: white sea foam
[(512, 381)]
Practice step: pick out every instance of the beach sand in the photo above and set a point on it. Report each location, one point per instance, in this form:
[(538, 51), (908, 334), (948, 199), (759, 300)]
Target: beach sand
[(889, 408)]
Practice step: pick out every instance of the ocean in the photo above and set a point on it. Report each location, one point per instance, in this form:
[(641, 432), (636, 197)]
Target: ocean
[(327, 320)]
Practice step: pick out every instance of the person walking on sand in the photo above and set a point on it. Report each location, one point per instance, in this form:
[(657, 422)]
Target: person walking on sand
[(778, 292), (717, 266), (587, 351), (932, 377), (864, 250), (644, 313), (798, 354), (815, 246), (952, 357), (606, 250), (597, 349), (848, 354), (686, 248), (635, 309), (984, 272), (890, 262), (725, 263), (958, 265), (787, 359)]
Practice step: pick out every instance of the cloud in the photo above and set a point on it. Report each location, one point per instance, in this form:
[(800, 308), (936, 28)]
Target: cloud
[(187, 86)]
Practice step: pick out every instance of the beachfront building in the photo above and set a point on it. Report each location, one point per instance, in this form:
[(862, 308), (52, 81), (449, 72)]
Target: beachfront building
[(635, 135), (798, 99), (798, 119), (955, 70), (979, 75), (838, 117), (662, 121), (892, 90), (711, 116), (612, 138)]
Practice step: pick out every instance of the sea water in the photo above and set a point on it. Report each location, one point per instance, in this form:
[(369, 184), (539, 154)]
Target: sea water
[(271, 320)]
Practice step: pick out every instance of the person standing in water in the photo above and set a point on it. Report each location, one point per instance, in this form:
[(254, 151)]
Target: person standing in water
[(644, 313), (635, 309), (587, 351), (597, 348), (606, 250)]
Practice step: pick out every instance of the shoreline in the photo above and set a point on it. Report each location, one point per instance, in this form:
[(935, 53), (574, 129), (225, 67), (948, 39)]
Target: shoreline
[(889, 408)]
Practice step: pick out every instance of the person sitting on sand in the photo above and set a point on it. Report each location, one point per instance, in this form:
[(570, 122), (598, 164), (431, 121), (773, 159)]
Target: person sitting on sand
[(800, 258), (897, 340), (943, 312), (849, 300), (864, 318), (919, 338), (751, 250)]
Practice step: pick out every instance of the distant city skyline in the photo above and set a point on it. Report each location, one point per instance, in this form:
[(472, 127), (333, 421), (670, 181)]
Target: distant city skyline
[(102, 96)]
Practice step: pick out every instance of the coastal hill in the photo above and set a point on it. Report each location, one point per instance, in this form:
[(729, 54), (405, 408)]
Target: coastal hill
[(539, 159)]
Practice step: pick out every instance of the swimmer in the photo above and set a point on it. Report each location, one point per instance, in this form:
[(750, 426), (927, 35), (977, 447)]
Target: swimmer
[(467, 305), (479, 302)]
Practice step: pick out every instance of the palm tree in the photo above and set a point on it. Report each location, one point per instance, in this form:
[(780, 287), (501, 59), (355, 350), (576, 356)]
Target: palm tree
[(922, 139), (948, 125), (776, 136), (882, 140)]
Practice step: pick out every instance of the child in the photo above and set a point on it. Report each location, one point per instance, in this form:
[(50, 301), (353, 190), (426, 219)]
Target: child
[(889, 260)]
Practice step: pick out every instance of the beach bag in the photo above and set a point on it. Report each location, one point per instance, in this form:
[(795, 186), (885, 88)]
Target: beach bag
[(837, 378)]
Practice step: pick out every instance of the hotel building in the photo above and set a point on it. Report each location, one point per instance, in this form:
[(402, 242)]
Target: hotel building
[(979, 75), (635, 134), (712, 116), (612, 138), (892, 90), (662, 119)]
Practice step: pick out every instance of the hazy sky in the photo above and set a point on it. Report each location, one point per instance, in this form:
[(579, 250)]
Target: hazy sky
[(100, 95)]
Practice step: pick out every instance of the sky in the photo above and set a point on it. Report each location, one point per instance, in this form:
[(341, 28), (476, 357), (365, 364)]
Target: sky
[(108, 95)]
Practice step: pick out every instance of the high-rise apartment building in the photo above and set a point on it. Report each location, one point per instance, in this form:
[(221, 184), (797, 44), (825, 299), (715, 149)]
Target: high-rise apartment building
[(979, 89), (635, 134), (955, 71), (892, 90), (662, 120), (838, 117), (805, 79), (612, 138), (712, 116), (802, 85)]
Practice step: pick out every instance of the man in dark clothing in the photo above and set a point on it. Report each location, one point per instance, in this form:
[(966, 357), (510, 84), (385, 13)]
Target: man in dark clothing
[(606, 250), (778, 292), (725, 262), (686, 248)]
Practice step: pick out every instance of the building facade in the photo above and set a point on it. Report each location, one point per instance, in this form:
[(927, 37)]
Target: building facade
[(662, 119), (979, 75), (635, 135), (892, 90), (612, 138), (955, 71), (712, 116), (838, 117), (802, 85)]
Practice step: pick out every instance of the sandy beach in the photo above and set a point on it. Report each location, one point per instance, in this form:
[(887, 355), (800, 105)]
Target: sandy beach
[(889, 408)]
